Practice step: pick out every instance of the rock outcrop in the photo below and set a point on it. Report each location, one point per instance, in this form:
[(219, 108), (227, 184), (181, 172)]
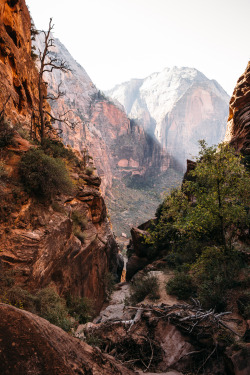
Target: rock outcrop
[(239, 115), (18, 74), (179, 106), (38, 241), (31, 345)]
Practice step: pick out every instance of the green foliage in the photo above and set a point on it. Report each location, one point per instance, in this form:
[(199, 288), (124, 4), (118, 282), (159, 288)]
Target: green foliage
[(94, 339), (53, 308), (56, 149), (214, 273), (109, 280), (3, 172), (79, 234), (243, 303), (141, 288), (42, 175), (21, 298), (79, 219), (80, 309), (211, 206), (89, 171), (181, 285), (6, 133), (220, 193), (79, 224)]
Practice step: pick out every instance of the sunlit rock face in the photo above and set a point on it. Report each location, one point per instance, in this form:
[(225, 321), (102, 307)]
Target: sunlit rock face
[(18, 73), (239, 114), (179, 106)]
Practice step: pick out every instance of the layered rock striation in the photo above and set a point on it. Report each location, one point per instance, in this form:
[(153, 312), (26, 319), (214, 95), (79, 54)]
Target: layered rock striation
[(239, 114), (38, 239), (31, 345), (18, 74), (179, 106)]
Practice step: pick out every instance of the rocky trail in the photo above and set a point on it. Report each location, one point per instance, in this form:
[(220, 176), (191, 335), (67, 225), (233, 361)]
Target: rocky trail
[(166, 336)]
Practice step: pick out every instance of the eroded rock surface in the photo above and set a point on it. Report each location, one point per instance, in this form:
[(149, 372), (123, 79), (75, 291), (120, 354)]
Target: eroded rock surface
[(31, 345), (239, 114), (38, 240), (18, 73)]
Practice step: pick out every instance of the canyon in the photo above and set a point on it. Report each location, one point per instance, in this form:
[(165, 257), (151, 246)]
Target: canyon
[(121, 161), (139, 134)]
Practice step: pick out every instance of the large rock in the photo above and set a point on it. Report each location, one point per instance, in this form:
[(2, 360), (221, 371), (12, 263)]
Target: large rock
[(31, 345), (18, 73), (239, 114)]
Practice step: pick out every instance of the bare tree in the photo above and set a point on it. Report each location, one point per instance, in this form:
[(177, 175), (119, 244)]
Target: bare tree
[(48, 63)]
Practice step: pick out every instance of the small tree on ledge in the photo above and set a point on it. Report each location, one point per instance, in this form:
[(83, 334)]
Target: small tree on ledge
[(49, 63)]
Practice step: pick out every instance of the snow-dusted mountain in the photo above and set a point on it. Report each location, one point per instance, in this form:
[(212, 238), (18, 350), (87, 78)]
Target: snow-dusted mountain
[(178, 106)]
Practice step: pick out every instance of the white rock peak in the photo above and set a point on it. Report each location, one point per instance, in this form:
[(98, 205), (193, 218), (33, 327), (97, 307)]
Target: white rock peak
[(174, 104)]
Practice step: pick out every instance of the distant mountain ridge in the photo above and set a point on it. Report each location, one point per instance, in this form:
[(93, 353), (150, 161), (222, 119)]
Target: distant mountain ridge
[(178, 106)]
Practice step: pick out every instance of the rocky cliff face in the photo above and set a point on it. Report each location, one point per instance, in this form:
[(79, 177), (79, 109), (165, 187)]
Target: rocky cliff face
[(179, 106), (37, 239), (18, 74), (239, 114)]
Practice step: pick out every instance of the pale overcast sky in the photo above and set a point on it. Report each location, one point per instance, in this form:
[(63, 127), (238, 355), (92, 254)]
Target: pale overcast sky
[(116, 40)]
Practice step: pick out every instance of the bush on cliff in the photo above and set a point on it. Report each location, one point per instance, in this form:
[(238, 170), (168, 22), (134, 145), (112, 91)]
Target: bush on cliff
[(181, 285), (6, 133), (214, 273), (53, 308), (42, 175), (141, 288)]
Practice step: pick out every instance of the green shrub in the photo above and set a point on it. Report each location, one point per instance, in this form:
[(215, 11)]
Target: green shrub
[(3, 172), (181, 285), (79, 234), (89, 171), (141, 288), (52, 307), (173, 260), (93, 339), (214, 273), (109, 280), (79, 219), (243, 303), (6, 133), (21, 298), (80, 309), (79, 224), (42, 175), (56, 149)]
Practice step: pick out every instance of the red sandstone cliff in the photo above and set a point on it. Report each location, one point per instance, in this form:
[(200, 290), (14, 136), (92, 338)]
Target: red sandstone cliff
[(18, 74), (37, 240), (239, 114)]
